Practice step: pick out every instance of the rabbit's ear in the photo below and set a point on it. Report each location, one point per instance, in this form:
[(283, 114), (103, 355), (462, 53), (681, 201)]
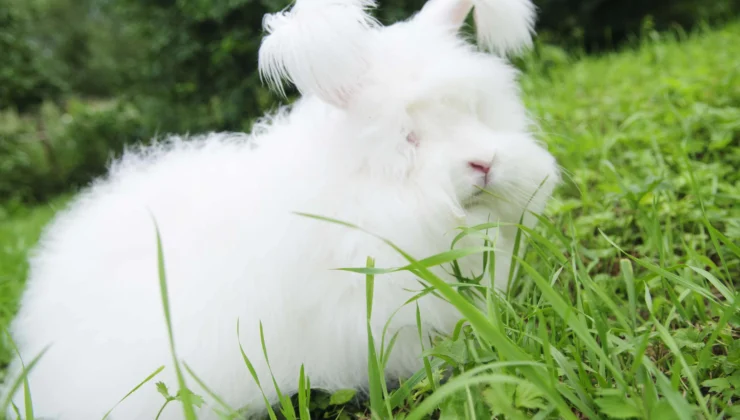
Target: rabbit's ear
[(502, 26), (450, 13), (319, 46)]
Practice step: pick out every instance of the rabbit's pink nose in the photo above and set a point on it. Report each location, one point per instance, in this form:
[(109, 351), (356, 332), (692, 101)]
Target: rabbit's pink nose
[(481, 167)]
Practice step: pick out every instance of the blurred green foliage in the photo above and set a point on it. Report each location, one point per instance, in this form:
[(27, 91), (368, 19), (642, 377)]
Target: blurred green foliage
[(58, 149), (190, 66), (25, 77), (602, 25)]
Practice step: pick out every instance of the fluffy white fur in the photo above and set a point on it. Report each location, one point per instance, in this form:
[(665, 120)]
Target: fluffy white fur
[(388, 149), (502, 26), (319, 45)]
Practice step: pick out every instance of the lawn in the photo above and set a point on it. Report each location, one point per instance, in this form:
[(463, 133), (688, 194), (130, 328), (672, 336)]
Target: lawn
[(627, 304)]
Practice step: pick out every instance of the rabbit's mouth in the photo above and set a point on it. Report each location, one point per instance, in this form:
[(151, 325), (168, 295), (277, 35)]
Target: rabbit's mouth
[(479, 191), (476, 198), (480, 197)]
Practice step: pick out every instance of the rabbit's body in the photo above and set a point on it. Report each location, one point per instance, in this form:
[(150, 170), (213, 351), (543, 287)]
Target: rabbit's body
[(102, 256), (235, 249)]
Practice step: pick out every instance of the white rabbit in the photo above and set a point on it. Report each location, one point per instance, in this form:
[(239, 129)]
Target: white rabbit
[(396, 130)]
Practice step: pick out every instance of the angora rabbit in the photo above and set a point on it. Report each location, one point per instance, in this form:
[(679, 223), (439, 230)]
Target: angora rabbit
[(407, 131)]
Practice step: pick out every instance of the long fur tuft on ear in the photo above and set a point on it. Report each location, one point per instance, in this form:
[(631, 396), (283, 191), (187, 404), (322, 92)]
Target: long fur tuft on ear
[(319, 46), (504, 26)]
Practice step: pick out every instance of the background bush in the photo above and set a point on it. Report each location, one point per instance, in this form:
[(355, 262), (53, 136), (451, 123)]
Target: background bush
[(599, 25), (59, 149), (26, 77), (190, 66)]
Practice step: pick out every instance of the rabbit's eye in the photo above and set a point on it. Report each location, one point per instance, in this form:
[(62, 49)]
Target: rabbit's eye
[(413, 139)]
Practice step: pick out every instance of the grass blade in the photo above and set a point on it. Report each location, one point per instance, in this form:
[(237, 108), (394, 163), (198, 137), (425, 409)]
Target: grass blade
[(212, 394), (375, 376), (187, 403), (304, 395), (142, 383), (255, 377), (427, 366), (285, 403), (22, 380), (676, 351)]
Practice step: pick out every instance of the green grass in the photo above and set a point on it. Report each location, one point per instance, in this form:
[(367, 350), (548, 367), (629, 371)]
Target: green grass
[(626, 304), (19, 231)]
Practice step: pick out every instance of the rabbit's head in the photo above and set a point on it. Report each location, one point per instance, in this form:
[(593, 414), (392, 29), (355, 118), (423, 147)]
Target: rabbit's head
[(416, 102)]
